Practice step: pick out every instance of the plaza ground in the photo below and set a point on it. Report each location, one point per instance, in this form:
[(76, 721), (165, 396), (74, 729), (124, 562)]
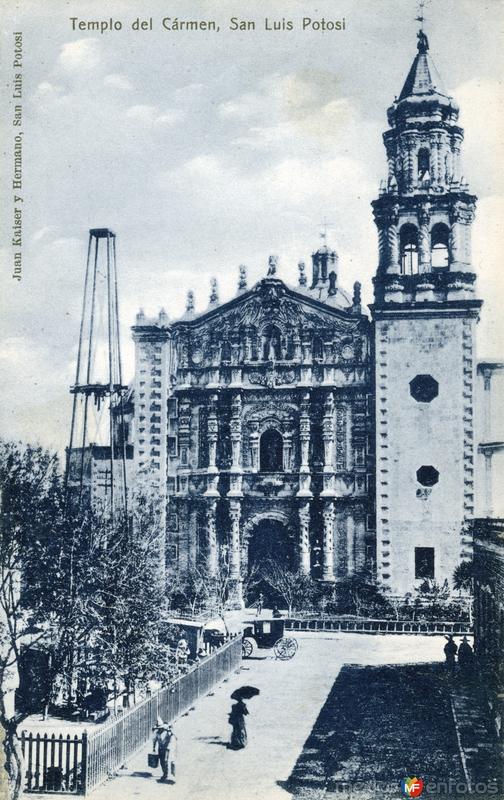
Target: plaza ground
[(338, 712)]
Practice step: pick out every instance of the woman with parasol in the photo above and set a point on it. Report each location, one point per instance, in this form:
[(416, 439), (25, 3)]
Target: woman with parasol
[(237, 716)]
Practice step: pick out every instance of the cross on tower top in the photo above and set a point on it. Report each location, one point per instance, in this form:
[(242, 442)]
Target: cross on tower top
[(421, 12), (423, 42), (325, 224)]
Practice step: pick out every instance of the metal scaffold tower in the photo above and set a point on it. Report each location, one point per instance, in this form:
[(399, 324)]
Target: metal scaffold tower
[(96, 455)]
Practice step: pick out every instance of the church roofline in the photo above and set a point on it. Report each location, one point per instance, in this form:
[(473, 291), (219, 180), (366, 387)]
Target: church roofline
[(300, 297), (152, 327)]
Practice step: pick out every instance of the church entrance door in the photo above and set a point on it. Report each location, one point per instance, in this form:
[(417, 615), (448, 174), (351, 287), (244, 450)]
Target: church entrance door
[(269, 542)]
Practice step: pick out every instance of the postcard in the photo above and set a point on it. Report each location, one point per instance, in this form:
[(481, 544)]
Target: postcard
[(252, 441)]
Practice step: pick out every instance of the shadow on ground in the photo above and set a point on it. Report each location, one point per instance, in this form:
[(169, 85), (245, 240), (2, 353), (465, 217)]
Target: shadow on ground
[(377, 726)]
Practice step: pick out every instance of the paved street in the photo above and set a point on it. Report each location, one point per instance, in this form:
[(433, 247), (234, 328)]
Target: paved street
[(280, 721)]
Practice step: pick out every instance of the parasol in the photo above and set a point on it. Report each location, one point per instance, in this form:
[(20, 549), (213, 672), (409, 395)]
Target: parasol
[(244, 693)]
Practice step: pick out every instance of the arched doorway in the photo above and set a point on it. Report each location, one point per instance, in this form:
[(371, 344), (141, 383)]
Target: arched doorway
[(269, 542)]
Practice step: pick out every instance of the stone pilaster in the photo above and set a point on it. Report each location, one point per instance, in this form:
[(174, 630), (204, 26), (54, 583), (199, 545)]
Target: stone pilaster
[(328, 362), (304, 538), (254, 445), (235, 588), (434, 162), (456, 159), (328, 437), (306, 362), (211, 525), (328, 543), (193, 538), (350, 531), (304, 439), (424, 243), (360, 541), (236, 370), (236, 447), (393, 241), (247, 344), (287, 450), (383, 259), (409, 162), (461, 217), (488, 483), (184, 441), (212, 435), (296, 343)]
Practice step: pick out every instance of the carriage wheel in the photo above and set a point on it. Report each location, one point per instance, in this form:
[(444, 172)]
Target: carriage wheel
[(285, 648), (247, 648)]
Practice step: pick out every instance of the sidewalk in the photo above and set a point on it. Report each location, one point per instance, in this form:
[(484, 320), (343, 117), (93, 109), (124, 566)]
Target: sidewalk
[(280, 721), (476, 735)]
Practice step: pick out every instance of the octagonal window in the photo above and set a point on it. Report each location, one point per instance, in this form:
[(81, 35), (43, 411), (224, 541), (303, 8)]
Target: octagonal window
[(424, 388), (427, 475)]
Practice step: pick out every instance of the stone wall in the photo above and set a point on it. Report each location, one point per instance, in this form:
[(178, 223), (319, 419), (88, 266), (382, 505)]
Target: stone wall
[(416, 433)]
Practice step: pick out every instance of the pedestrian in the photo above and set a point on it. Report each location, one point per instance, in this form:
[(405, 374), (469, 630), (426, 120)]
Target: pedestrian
[(165, 741), (260, 601), (465, 657), (450, 651), (237, 719)]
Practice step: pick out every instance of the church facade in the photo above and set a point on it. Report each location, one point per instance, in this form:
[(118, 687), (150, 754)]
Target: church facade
[(289, 424)]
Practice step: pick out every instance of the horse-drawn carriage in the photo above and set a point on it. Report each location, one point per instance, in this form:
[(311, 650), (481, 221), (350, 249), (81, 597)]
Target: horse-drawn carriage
[(267, 634)]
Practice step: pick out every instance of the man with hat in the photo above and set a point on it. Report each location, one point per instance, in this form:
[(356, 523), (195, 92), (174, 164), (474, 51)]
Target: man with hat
[(165, 741)]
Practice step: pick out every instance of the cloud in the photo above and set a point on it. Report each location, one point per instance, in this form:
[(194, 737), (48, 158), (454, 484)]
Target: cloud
[(47, 95), (118, 81), (488, 244), (150, 115), (43, 233), (293, 96), (243, 107), (81, 54), (482, 117), (189, 91)]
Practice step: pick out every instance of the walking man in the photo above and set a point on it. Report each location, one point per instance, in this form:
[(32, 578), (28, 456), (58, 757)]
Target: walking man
[(450, 651), (165, 741), (465, 657), (260, 601)]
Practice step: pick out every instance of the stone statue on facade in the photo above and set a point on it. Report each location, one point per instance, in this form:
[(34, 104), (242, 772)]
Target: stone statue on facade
[(272, 265)]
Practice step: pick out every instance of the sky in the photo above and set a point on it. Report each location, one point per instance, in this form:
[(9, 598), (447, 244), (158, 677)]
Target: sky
[(206, 150)]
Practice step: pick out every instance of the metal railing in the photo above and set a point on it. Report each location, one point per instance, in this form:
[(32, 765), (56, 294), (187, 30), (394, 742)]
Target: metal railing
[(66, 765), (378, 626)]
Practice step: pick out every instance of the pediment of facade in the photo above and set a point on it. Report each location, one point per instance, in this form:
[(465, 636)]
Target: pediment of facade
[(271, 302)]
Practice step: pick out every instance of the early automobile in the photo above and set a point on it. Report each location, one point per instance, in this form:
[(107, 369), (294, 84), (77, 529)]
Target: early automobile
[(267, 634)]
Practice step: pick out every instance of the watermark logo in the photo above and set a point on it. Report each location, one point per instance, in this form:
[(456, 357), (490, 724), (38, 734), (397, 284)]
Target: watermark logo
[(412, 787)]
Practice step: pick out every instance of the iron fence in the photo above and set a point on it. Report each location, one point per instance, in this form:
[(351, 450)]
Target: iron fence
[(66, 765), (378, 626), (54, 763)]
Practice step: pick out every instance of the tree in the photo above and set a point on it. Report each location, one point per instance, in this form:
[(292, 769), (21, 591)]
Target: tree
[(191, 588), (293, 587), (125, 602), (463, 577), (82, 589), (358, 594), (463, 581), (31, 555)]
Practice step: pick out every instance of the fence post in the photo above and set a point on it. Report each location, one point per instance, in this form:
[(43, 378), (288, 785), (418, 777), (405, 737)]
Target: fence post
[(84, 762), (120, 742)]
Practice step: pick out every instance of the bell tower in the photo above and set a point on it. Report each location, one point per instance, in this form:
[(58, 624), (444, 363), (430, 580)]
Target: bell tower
[(425, 312)]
